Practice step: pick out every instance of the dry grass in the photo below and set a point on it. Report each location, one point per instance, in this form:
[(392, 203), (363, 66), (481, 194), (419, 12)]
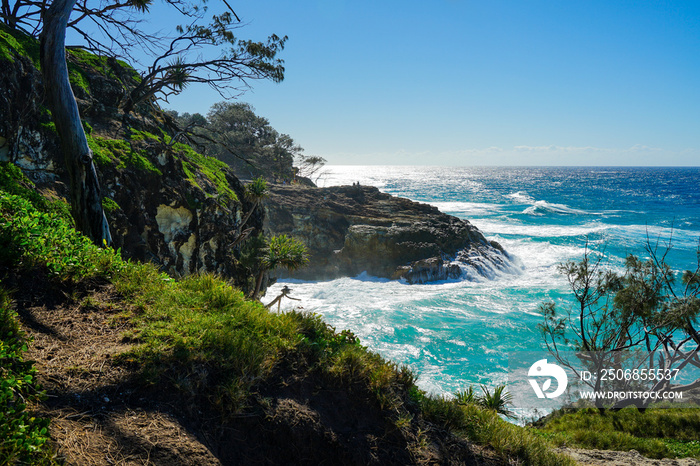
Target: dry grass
[(96, 416)]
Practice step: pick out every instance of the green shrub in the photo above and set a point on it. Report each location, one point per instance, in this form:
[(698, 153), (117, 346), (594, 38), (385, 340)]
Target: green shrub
[(30, 238), (23, 437)]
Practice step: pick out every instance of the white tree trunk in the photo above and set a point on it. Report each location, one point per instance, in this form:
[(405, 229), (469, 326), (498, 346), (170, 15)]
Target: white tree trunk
[(86, 201)]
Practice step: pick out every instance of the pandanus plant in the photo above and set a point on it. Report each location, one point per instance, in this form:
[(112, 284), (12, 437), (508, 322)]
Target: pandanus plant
[(281, 251), (255, 192)]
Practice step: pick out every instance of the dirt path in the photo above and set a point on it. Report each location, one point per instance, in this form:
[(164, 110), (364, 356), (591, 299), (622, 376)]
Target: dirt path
[(96, 418), (622, 458), (103, 414)]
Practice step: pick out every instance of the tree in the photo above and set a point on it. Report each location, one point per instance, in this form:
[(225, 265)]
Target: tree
[(281, 251), (179, 60), (247, 142), (309, 166), (86, 200), (255, 192), (232, 64), (642, 320)]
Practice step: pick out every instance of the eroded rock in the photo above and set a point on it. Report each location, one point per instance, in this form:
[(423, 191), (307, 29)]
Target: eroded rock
[(353, 229)]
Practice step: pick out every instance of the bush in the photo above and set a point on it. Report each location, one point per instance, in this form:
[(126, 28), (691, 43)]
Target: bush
[(23, 438)]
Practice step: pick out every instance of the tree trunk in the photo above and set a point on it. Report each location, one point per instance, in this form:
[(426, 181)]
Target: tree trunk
[(86, 201)]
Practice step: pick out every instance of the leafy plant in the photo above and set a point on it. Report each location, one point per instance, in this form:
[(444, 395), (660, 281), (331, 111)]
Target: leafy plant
[(255, 192), (497, 401), (23, 437), (281, 251), (467, 396), (645, 309)]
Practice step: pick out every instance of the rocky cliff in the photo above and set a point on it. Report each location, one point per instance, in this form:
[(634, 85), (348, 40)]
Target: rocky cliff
[(352, 229), (165, 203)]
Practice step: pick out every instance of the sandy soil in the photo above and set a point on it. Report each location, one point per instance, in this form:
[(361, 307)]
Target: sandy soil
[(622, 458)]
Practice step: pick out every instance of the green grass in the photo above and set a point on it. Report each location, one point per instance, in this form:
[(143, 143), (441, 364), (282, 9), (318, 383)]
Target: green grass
[(120, 153), (484, 426), (16, 43), (656, 433), (82, 60), (109, 205), (201, 335), (101, 64), (210, 168)]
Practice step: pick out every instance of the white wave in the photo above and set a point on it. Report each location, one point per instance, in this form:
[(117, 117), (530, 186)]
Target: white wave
[(521, 197), (680, 238), (467, 208), (510, 227), (479, 263), (541, 257), (544, 207)]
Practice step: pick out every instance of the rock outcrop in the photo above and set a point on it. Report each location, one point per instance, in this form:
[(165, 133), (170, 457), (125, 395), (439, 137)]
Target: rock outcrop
[(353, 229), (164, 202)]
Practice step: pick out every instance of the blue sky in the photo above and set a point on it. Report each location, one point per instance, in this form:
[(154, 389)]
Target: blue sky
[(456, 82)]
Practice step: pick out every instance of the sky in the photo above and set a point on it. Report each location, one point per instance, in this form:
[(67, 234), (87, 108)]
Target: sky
[(489, 82)]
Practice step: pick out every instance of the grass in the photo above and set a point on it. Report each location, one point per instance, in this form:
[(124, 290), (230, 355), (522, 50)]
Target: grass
[(195, 165), (15, 43), (200, 333), (109, 205), (102, 64), (485, 427), (199, 337), (120, 153), (656, 432)]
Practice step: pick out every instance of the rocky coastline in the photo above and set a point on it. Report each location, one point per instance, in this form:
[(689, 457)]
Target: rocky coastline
[(353, 229)]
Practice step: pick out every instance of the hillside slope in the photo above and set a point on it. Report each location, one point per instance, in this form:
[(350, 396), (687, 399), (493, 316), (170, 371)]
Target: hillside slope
[(139, 366)]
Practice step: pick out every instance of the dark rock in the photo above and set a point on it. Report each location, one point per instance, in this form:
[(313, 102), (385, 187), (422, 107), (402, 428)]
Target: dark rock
[(354, 229)]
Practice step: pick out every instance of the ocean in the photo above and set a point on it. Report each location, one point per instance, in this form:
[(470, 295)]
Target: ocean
[(459, 333)]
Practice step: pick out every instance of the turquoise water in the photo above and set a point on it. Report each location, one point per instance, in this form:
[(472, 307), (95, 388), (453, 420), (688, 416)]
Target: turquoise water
[(460, 332)]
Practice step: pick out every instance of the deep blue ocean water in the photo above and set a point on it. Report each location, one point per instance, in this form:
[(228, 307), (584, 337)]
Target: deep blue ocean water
[(458, 333)]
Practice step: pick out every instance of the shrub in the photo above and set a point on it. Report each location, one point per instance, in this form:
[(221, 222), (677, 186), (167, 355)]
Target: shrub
[(23, 437)]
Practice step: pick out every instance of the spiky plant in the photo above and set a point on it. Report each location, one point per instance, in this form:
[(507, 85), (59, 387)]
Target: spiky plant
[(465, 397), (255, 192), (497, 401), (281, 251)]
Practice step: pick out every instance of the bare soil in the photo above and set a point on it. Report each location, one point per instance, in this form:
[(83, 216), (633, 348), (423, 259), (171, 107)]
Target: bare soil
[(98, 415), (622, 458)]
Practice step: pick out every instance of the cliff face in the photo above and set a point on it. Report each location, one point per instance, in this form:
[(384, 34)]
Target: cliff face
[(352, 229), (165, 203)]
